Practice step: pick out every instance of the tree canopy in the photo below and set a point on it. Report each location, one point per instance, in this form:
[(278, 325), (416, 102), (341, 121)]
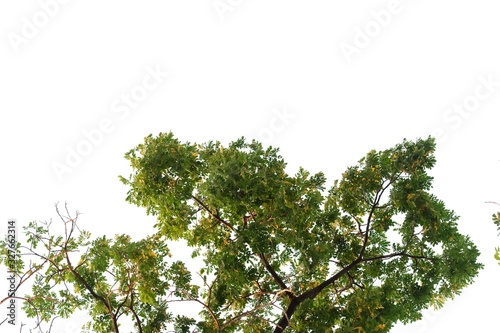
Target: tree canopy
[(112, 279), (280, 252)]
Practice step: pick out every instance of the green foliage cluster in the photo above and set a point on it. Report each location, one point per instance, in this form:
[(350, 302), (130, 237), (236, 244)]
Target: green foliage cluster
[(113, 278), (280, 252), (496, 220)]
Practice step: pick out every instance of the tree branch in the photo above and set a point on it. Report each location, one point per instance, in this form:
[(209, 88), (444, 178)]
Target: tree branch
[(275, 276), (80, 278), (310, 294), (215, 216)]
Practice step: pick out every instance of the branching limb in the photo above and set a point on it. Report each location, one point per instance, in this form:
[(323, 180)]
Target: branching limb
[(214, 215), (276, 277)]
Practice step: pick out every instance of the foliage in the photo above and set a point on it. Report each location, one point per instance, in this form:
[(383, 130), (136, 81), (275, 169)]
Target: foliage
[(496, 220), (113, 278), (282, 253)]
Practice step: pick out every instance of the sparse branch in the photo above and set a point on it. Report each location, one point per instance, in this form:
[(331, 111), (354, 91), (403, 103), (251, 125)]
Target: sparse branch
[(275, 276), (358, 223), (393, 255), (134, 313), (214, 215), (77, 275), (376, 201), (209, 287), (251, 312), (205, 305)]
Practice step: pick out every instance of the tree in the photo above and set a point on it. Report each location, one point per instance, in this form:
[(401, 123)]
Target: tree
[(113, 278), (280, 253)]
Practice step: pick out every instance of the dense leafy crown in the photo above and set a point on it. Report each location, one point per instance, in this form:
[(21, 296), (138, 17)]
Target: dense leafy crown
[(283, 254), (280, 252)]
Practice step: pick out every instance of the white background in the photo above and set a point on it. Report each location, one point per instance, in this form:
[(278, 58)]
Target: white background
[(231, 69)]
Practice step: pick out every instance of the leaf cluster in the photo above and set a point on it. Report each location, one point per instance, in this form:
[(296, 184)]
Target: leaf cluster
[(282, 252)]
